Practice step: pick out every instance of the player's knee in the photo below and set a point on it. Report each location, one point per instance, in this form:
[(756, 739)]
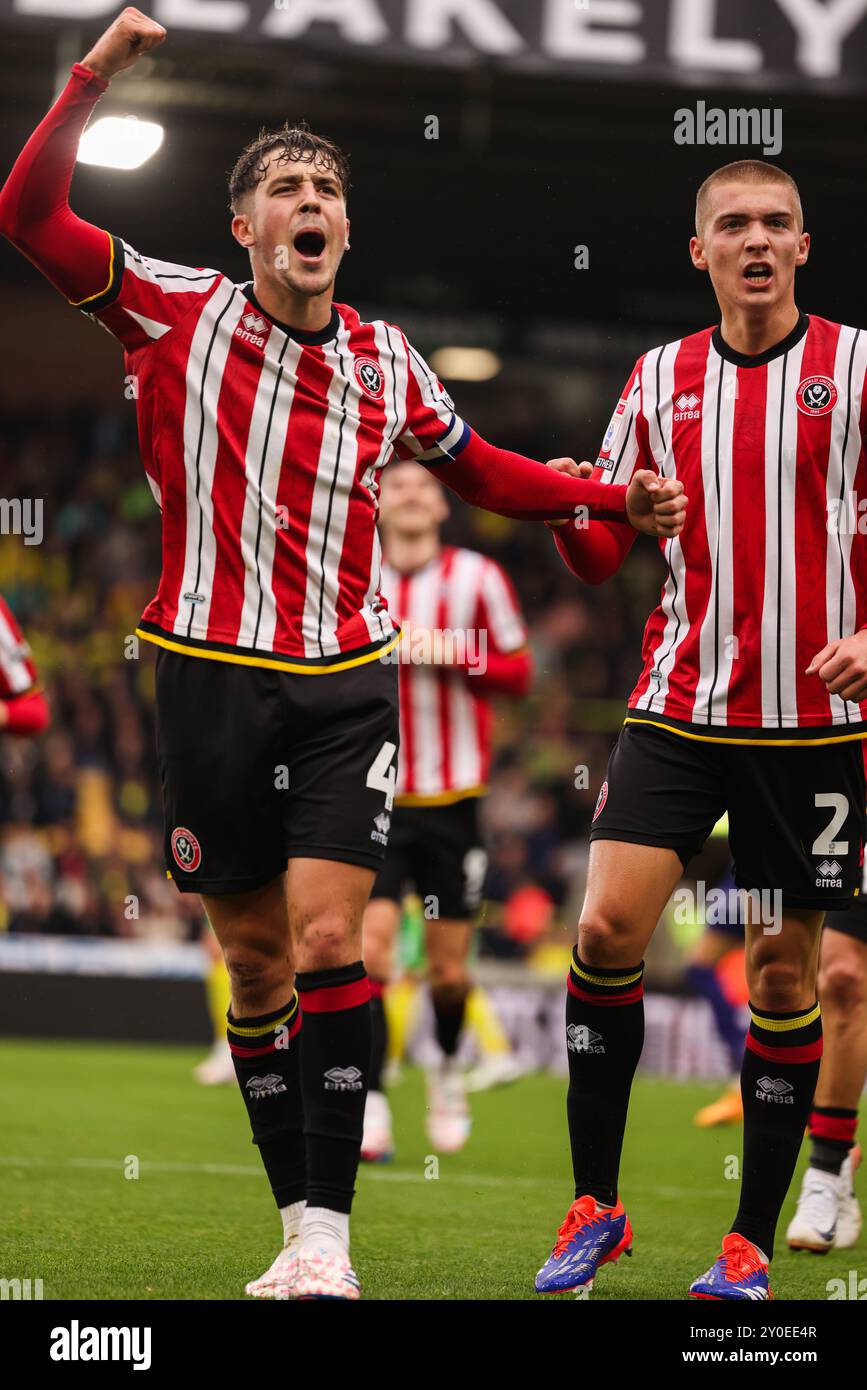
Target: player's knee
[(448, 976), (327, 941), (778, 985), (255, 976), (377, 952), (377, 957), (600, 941), (843, 985)]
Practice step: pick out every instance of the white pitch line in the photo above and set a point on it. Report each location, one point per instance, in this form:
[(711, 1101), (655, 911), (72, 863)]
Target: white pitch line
[(378, 1174)]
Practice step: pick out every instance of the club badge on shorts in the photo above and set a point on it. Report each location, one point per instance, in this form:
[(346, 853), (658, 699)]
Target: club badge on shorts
[(601, 800), (186, 850)]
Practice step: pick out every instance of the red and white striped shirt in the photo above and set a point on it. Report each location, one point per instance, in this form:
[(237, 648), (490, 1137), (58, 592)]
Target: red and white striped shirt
[(445, 711), (17, 671), (263, 447), (772, 563)]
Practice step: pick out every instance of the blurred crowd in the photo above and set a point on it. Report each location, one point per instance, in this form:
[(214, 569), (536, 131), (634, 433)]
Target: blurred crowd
[(80, 808)]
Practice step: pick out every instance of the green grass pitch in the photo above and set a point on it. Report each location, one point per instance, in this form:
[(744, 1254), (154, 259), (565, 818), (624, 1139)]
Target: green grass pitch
[(199, 1220)]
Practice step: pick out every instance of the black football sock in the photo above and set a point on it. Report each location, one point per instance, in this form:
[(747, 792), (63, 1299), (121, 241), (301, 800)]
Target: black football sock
[(335, 1066), (265, 1052), (379, 1024), (449, 1006), (832, 1135), (604, 1038), (778, 1079)]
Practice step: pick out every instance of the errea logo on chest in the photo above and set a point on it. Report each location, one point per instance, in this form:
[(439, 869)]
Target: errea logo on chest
[(687, 406), (252, 328)]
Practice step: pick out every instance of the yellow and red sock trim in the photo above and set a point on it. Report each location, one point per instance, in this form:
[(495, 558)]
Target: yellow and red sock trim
[(255, 1037), (786, 1037), (593, 984)]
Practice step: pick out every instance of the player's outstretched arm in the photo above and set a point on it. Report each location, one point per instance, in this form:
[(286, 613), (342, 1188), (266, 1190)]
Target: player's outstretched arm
[(34, 202), (512, 485), (595, 551)]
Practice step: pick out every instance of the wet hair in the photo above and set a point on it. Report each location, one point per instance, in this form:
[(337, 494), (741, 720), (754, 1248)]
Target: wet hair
[(296, 142), (744, 171)]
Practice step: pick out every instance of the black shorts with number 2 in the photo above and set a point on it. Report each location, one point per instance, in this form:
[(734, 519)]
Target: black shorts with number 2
[(438, 853), (796, 814), (259, 766)]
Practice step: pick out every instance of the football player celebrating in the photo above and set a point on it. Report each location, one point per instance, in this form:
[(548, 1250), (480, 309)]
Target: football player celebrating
[(750, 701), (464, 639), (266, 413)]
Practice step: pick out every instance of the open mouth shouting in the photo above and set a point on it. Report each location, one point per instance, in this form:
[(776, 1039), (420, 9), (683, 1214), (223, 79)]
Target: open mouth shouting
[(758, 274), (309, 245)]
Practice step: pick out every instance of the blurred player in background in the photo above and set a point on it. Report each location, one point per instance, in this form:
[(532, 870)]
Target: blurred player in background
[(828, 1214), (464, 639), (23, 707), (266, 413), (750, 701), (218, 1068), (717, 940)]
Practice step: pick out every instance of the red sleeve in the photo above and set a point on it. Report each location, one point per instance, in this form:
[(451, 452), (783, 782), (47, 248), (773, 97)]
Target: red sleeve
[(28, 715), (515, 486), (135, 297), (594, 552), (34, 203), (502, 673)]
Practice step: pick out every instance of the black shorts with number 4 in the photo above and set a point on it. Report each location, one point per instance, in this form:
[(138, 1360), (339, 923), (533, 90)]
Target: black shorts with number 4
[(796, 819), (436, 852), (260, 766)]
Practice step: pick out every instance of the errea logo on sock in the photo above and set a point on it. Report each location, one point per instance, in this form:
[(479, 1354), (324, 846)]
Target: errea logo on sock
[(579, 1038), (262, 1086), (776, 1090), (343, 1079)]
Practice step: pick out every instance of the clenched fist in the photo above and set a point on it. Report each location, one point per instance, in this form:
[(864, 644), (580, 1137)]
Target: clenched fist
[(131, 35), (654, 506)]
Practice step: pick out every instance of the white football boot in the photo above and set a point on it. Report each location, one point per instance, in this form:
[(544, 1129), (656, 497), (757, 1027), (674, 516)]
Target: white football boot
[(448, 1113), (322, 1275), (849, 1213), (814, 1225), (497, 1069), (280, 1280), (218, 1068), (377, 1144)]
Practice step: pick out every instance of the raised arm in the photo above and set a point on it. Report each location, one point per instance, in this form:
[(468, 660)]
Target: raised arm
[(34, 203)]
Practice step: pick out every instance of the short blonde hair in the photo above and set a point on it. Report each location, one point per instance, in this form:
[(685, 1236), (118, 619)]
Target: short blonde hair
[(744, 171)]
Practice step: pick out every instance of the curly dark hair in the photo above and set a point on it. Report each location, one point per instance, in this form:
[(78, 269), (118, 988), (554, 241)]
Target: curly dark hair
[(296, 142)]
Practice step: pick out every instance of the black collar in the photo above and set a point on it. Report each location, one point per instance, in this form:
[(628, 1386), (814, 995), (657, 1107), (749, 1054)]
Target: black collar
[(742, 359), (300, 335)]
